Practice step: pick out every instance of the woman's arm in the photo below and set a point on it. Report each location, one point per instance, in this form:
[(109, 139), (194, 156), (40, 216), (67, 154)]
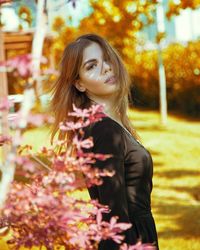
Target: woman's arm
[(108, 139)]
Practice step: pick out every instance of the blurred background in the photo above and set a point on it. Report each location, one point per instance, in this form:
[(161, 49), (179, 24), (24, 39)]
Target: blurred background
[(159, 41)]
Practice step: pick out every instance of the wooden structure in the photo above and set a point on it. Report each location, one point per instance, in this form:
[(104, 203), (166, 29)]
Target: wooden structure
[(10, 42), (18, 41)]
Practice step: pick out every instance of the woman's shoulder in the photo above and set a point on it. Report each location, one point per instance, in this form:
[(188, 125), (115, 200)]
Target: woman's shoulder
[(108, 135), (105, 126)]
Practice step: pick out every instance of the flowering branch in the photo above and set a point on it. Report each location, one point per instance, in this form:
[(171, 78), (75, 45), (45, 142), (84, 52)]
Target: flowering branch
[(8, 168), (41, 210)]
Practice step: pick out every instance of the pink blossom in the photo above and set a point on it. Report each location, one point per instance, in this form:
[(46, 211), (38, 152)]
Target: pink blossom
[(32, 119), (22, 64), (93, 114), (36, 119), (42, 210), (138, 246), (83, 113), (39, 119), (5, 104), (87, 143), (50, 71), (5, 139)]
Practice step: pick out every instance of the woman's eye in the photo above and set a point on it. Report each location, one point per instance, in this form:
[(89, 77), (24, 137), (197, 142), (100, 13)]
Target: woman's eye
[(91, 66)]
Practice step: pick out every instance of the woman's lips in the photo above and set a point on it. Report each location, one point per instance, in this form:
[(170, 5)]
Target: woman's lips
[(110, 80)]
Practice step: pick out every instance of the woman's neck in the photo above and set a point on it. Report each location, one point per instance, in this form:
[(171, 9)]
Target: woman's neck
[(109, 109)]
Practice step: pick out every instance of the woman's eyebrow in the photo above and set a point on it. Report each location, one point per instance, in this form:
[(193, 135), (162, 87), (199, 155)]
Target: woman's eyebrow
[(91, 60)]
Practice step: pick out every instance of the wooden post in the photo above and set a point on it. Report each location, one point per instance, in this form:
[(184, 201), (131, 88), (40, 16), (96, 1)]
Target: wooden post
[(3, 94)]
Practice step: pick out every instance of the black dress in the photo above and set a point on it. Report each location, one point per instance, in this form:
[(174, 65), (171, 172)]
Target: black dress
[(127, 193)]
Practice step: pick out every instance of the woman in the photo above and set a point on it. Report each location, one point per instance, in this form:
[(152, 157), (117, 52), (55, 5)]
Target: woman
[(93, 72)]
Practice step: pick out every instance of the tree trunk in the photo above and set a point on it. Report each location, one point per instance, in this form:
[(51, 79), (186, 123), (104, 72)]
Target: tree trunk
[(38, 41), (162, 77)]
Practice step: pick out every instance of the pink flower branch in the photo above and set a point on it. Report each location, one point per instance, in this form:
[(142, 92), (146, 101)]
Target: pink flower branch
[(8, 167), (42, 210)]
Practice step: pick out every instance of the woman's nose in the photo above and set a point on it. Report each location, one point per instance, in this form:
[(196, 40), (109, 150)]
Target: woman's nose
[(106, 66)]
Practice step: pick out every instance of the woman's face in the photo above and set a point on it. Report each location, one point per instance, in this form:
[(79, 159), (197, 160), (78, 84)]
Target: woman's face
[(96, 75)]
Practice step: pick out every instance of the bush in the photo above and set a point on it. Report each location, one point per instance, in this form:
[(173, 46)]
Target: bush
[(182, 67)]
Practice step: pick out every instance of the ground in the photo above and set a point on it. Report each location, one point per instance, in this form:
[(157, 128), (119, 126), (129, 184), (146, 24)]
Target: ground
[(176, 193)]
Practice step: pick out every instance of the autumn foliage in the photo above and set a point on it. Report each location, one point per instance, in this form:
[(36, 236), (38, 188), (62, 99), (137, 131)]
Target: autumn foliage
[(119, 23), (182, 66)]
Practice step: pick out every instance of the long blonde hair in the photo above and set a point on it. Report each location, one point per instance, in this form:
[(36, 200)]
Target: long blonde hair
[(64, 92)]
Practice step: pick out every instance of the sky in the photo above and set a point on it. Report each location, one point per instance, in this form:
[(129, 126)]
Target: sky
[(187, 25), (57, 8)]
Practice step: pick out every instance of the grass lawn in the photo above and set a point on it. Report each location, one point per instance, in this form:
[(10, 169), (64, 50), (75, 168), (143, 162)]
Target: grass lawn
[(176, 194)]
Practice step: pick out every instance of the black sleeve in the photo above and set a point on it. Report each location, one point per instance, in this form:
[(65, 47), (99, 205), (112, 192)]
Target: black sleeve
[(108, 139)]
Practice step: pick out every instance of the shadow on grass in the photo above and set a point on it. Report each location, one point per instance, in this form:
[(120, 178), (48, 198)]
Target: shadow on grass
[(158, 164), (186, 219), (154, 153), (193, 191), (177, 173), (185, 117), (153, 127), (172, 113)]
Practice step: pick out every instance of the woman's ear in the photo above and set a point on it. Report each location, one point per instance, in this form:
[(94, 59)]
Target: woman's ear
[(79, 86)]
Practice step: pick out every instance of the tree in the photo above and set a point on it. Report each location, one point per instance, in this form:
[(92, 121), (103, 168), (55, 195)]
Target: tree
[(38, 39), (118, 21), (25, 15), (161, 69)]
